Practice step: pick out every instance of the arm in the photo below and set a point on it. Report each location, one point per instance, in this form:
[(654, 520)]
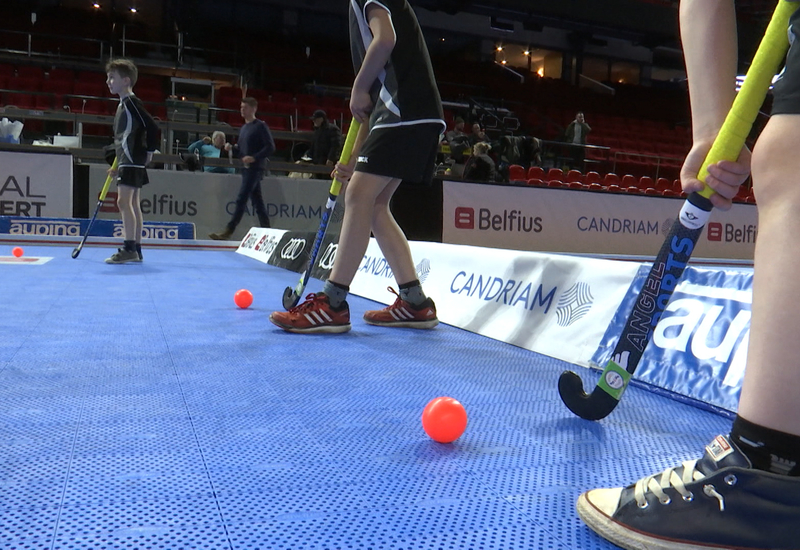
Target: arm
[(376, 58), (708, 32), (195, 146), (148, 124)]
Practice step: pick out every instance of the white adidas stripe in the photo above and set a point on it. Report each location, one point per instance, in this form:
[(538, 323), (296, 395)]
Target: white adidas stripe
[(318, 317), (401, 314)]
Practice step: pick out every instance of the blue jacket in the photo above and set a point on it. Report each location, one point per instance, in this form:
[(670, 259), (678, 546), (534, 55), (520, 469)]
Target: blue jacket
[(210, 152)]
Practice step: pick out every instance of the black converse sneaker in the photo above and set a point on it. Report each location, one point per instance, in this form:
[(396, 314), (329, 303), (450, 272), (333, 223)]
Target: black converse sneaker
[(716, 502)]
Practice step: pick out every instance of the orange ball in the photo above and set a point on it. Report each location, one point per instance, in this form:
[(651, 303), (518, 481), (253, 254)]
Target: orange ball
[(243, 298), (17, 251), (444, 419)]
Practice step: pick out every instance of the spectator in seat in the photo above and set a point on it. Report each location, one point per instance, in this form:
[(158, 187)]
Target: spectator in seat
[(327, 143), (458, 140), (477, 135), (480, 166), (212, 147)]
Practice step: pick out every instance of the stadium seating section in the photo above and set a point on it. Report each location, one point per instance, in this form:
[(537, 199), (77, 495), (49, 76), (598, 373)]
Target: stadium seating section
[(638, 148)]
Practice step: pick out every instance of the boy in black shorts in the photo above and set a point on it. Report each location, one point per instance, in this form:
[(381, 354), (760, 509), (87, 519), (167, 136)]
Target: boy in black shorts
[(395, 97), (135, 140), (744, 492)]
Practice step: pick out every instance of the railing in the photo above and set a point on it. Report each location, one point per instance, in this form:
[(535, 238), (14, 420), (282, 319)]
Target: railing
[(36, 44), (167, 127), (658, 159)]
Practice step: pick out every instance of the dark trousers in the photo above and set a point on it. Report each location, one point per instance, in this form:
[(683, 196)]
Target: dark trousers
[(250, 189)]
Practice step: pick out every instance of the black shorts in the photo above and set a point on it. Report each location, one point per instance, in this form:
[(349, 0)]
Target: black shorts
[(405, 152), (132, 176), (786, 93)]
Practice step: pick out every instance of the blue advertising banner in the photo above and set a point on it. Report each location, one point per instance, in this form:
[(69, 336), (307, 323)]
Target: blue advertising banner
[(698, 349), (46, 227)]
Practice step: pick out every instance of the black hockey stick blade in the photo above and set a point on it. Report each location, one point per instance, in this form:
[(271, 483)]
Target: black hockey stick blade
[(589, 406), (290, 298)]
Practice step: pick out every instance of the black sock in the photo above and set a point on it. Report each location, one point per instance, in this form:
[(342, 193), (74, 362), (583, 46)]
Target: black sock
[(767, 449), (130, 246), (139, 249), (412, 292), (336, 293)]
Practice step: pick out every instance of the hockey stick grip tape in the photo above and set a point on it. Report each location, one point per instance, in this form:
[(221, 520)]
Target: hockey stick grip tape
[(347, 151), (771, 52)]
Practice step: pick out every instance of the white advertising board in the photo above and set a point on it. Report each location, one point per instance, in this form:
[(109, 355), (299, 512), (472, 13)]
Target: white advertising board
[(37, 185), (207, 200), (576, 221)]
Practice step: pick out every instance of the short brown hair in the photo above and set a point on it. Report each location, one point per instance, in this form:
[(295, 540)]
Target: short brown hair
[(125, 67), (251, 101)]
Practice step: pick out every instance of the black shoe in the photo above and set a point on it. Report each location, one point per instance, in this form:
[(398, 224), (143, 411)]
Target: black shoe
[(123, 256), (223, 235), (716, 502)]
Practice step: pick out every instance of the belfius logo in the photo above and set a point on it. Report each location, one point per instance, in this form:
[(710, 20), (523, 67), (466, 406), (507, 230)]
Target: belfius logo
[(506, 221)]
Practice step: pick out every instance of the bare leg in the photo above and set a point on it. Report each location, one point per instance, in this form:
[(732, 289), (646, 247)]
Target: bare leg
[(769, 395), (137, 211), (391, 238), (360, 199), (126, 209)]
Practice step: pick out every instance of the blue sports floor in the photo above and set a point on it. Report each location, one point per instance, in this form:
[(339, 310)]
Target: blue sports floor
[(141, 409)]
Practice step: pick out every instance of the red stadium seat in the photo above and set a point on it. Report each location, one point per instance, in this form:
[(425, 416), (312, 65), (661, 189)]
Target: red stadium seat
[(537, 182), (593, 177), (663, 183), (575, 175), (594, 186), (612, 179), (44, 102), (575, 185), (516, 173), (23, 101), (633, 190), (614, 188), (555, 183), (646, 182), (277, 122), (536, 172), (30, 71), (555, 174), (629, 181)]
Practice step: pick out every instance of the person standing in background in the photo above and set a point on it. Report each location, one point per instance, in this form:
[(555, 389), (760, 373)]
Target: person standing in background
[(255, 145)]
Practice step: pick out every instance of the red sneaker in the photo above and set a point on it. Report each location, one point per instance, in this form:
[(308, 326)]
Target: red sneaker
[(313, 315), (403, 314)]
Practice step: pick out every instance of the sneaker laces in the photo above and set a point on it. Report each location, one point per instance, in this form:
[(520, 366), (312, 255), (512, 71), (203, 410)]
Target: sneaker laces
[(309, 303), (670, 478), (397, 302)]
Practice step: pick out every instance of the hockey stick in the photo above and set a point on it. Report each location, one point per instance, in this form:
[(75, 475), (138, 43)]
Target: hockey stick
[(671, 261), (100, 200), (291, 296)]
